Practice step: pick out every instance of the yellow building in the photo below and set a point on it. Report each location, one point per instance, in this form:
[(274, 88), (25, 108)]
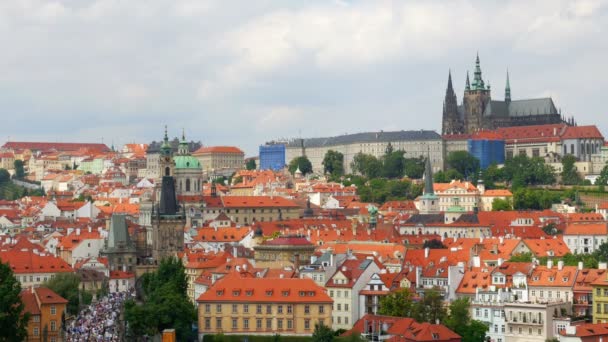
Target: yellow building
[(45, 308), (284, 251), (245, 210), (259, 306), (600, 300), (220, 159)]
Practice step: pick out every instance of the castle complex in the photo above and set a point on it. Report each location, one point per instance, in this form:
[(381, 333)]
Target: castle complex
[(479, 111)]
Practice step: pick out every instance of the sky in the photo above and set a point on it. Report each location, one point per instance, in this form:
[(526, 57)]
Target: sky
[(246, 72)]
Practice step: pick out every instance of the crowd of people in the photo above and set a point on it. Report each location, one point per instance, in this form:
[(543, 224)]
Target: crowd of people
[(98, 321)]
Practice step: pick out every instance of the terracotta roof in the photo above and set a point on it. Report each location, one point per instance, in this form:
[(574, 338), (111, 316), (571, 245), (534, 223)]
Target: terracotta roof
[(218, 149), (497, 192), (232, 288), (257, 202), (29, 302), (288, 241), (586, 277), (576, 132), (586, 229), (28, 262), (584, 217), (121, 275), (48, 146), (588, 330), (474, 279), (553, 277), (454, 184), (225, 234), (542, 247)]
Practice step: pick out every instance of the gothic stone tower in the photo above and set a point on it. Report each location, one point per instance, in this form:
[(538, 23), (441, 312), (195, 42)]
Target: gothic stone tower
[(452, 123), (476, 99), (167, 220)]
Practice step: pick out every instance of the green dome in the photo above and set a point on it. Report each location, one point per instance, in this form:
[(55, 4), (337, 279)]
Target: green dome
[(186, 162)]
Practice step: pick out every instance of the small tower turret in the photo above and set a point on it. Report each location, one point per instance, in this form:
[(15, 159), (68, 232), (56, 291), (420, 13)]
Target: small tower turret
[(507, 89)]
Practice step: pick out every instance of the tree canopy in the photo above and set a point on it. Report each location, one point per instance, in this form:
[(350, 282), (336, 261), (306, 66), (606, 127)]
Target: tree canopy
[(19, 170), (322, 333), (499, 204), (522, 171), (380, 190), (333, 163), (13, 318), (569, 174), (367, 165), (414, 167), (5, 176), (303, 163), (250, 165), (166, 303), (465, 163)]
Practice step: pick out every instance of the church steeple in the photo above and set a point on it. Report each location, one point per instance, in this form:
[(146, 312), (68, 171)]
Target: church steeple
[(477, 80), (165, 148), (428, 178), (508, 89), (467, 86), (451, 118), (183, 148)]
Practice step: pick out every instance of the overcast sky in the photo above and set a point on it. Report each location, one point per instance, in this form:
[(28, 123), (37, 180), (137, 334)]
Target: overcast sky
[(245, 72)]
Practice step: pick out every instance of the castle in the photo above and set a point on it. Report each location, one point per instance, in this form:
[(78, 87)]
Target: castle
[(479, 111)]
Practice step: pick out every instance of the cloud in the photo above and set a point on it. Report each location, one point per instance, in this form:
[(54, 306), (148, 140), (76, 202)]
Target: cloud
[(242, 73)]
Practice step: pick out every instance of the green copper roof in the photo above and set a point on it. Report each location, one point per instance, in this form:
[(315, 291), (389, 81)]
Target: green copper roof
[(186, 162)]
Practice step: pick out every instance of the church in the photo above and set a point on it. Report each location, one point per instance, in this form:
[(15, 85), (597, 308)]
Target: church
[(478, 111)]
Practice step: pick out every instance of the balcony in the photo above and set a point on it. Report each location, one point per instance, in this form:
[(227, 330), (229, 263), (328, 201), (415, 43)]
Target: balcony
[(525, 321)]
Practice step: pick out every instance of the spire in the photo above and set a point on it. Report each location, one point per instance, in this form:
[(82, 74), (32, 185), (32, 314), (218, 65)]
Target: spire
[(183, 148), (477, 80), (165, 148), (166, 139), (508, 89), (450, 89), (428, 177), (467, 86), (183, 134)]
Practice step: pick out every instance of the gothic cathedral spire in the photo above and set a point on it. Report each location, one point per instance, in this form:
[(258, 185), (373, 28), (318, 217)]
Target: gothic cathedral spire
[(477, 80), (508, 89), (467, 86), (451, 117)]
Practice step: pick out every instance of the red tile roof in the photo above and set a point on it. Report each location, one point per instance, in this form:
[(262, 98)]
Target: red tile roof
[(48, 146), (542, 247), (218, 149), (589, 330), (232, 288), (586, 229), (28, 262), (289, 241), (257, 202)]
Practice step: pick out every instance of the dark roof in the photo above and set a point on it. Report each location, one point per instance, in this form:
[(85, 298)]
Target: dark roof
[(532, 107), (430, 218), (154, 147), (366, 137)]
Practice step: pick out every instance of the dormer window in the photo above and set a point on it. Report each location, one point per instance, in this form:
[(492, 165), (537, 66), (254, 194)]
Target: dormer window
[(268, 293), (551, 278), (236, 293), (565, 279), (302, 293), (286, 293), (220, 292), (249, 293)]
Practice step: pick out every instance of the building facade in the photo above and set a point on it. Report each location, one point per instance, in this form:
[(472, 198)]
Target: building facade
[(414, 144), (272, 156), (220, 160), (262, 306)]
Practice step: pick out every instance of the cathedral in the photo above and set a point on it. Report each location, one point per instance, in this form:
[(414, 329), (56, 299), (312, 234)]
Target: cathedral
[(479, 111)]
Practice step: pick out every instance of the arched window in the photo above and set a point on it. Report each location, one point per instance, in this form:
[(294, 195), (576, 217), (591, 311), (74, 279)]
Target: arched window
[(188, 184), (167, 171)]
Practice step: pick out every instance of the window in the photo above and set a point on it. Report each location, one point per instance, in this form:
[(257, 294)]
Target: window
[(331, 293), (53, 310), (345, 307), (37, 318), (258, 324), (53, 325), (321, 309), (280, 309), (234, 323), (307, 309), (269, 323), (339, 307), (207, 308), (289, 309), (246, 323), (36, 332), (246, 308), (280, 324), (234, 308), (258, 309), (306, 324), (218, 308), (289, 324), (269, 309)]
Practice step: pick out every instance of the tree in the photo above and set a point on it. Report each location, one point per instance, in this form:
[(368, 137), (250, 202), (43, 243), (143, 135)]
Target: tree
[(465, 163), (414, 167), (322, 333), (430, 308), (250, 165), (521, 257), (491, 175), (398, 303), (301, 162), (522, 171), (551, 229), (569, 174), (446, 176), (459, 321), (333, 163), (434, 244), (5, 176), (13, 318), (475, 332), (166, 303), (367, 165), (393, 164), (499, 204), (19, 171), (602, 180)]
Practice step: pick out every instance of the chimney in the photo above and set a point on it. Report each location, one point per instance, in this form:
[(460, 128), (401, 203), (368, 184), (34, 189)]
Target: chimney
[(331, 259), (90, 229), (344, 268), (77, 231), (501, 240), (426, 252), (580, 265), (549, 264), (296, 263), (601, 266), (500, 261), (235, 251), (560, 265)]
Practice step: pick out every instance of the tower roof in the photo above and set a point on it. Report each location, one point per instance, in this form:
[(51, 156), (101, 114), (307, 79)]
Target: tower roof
[(508, 89), (478, 83), (428, 178), (119, 233), (468, 83)]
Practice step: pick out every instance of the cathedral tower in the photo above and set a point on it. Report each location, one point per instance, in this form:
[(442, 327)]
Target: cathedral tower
[(168, 221), (452, 123), (429, 202), (476, 99)]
